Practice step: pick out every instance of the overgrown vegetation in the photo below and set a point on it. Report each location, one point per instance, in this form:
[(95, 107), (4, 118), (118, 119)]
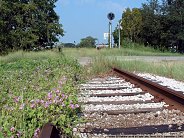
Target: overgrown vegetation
[(37, 88), (164, 68), (128, 49)]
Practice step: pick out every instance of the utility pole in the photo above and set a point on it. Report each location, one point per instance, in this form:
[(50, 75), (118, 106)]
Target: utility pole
[(110, 34), (119, 33)]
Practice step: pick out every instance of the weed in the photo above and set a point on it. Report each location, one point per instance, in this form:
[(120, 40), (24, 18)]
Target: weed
[(37, 88)]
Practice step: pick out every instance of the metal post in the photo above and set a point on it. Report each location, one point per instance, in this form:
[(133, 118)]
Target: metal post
[(119, 35), (110, 16), (110, 34), (119, 29)]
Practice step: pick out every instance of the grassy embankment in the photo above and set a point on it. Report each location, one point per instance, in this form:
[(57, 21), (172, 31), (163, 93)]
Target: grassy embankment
[(128, 49), (168, 69), (37, 88), (102, 62)]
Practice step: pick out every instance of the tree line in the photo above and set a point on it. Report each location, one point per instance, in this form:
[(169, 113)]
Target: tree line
[(28, 24), (159, 24), (88, 42)]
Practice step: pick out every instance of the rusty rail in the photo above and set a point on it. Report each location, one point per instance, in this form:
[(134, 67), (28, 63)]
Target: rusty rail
[(49, 131), (140, 130), (175, 99)]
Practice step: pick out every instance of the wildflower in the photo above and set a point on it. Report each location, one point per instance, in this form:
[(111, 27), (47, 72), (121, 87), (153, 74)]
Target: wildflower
[(49, 96), (50, 102), (60, 82), (63, 95), (72, 106), (60, 100), (63, 105), (46, 104), (57, 97), (41, 101), (36, 133), (18, 134), (32, 105), (76, 106), (57, 91), (37, 101), (12, 137), (16, 99), (12, 129), (22, 106)]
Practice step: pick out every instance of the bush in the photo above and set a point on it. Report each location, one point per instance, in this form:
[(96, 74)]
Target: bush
[(34, 92)]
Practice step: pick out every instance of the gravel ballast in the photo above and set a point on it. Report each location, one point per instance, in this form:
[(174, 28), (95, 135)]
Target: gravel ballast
[(168, 82), (97, 117)]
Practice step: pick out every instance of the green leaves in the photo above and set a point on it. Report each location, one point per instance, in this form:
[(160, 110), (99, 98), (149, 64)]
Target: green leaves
[(157, 24), (28, 24), (88, 42), (131, 23)]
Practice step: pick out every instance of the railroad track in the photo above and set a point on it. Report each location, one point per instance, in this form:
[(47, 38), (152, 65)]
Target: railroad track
[(129, 106)]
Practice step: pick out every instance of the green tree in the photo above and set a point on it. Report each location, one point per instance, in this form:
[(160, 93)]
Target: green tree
[(88, 42), (157, 24), (151, 25), (131, 23), (163, 24), (47, 17), (175, 18), (116, 36), (27, 24)]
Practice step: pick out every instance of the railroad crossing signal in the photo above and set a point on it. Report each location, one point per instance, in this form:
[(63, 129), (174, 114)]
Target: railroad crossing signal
[(111, 17)]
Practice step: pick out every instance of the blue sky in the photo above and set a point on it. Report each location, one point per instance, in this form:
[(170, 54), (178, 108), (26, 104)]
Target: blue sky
[(82, 18)]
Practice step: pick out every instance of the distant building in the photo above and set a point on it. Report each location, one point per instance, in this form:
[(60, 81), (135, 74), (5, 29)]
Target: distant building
[(99, 46)]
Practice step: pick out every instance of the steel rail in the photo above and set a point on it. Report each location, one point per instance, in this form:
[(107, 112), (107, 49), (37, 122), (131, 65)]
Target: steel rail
[(49, 131), (142, 130), (175, 99)]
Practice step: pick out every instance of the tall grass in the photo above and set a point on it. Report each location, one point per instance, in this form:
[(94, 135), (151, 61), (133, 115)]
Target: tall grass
[(19, 55), (127, 49), (133, 51), (168, 69)]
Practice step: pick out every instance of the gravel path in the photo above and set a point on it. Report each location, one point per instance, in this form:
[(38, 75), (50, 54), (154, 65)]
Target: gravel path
[(150, 58)]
